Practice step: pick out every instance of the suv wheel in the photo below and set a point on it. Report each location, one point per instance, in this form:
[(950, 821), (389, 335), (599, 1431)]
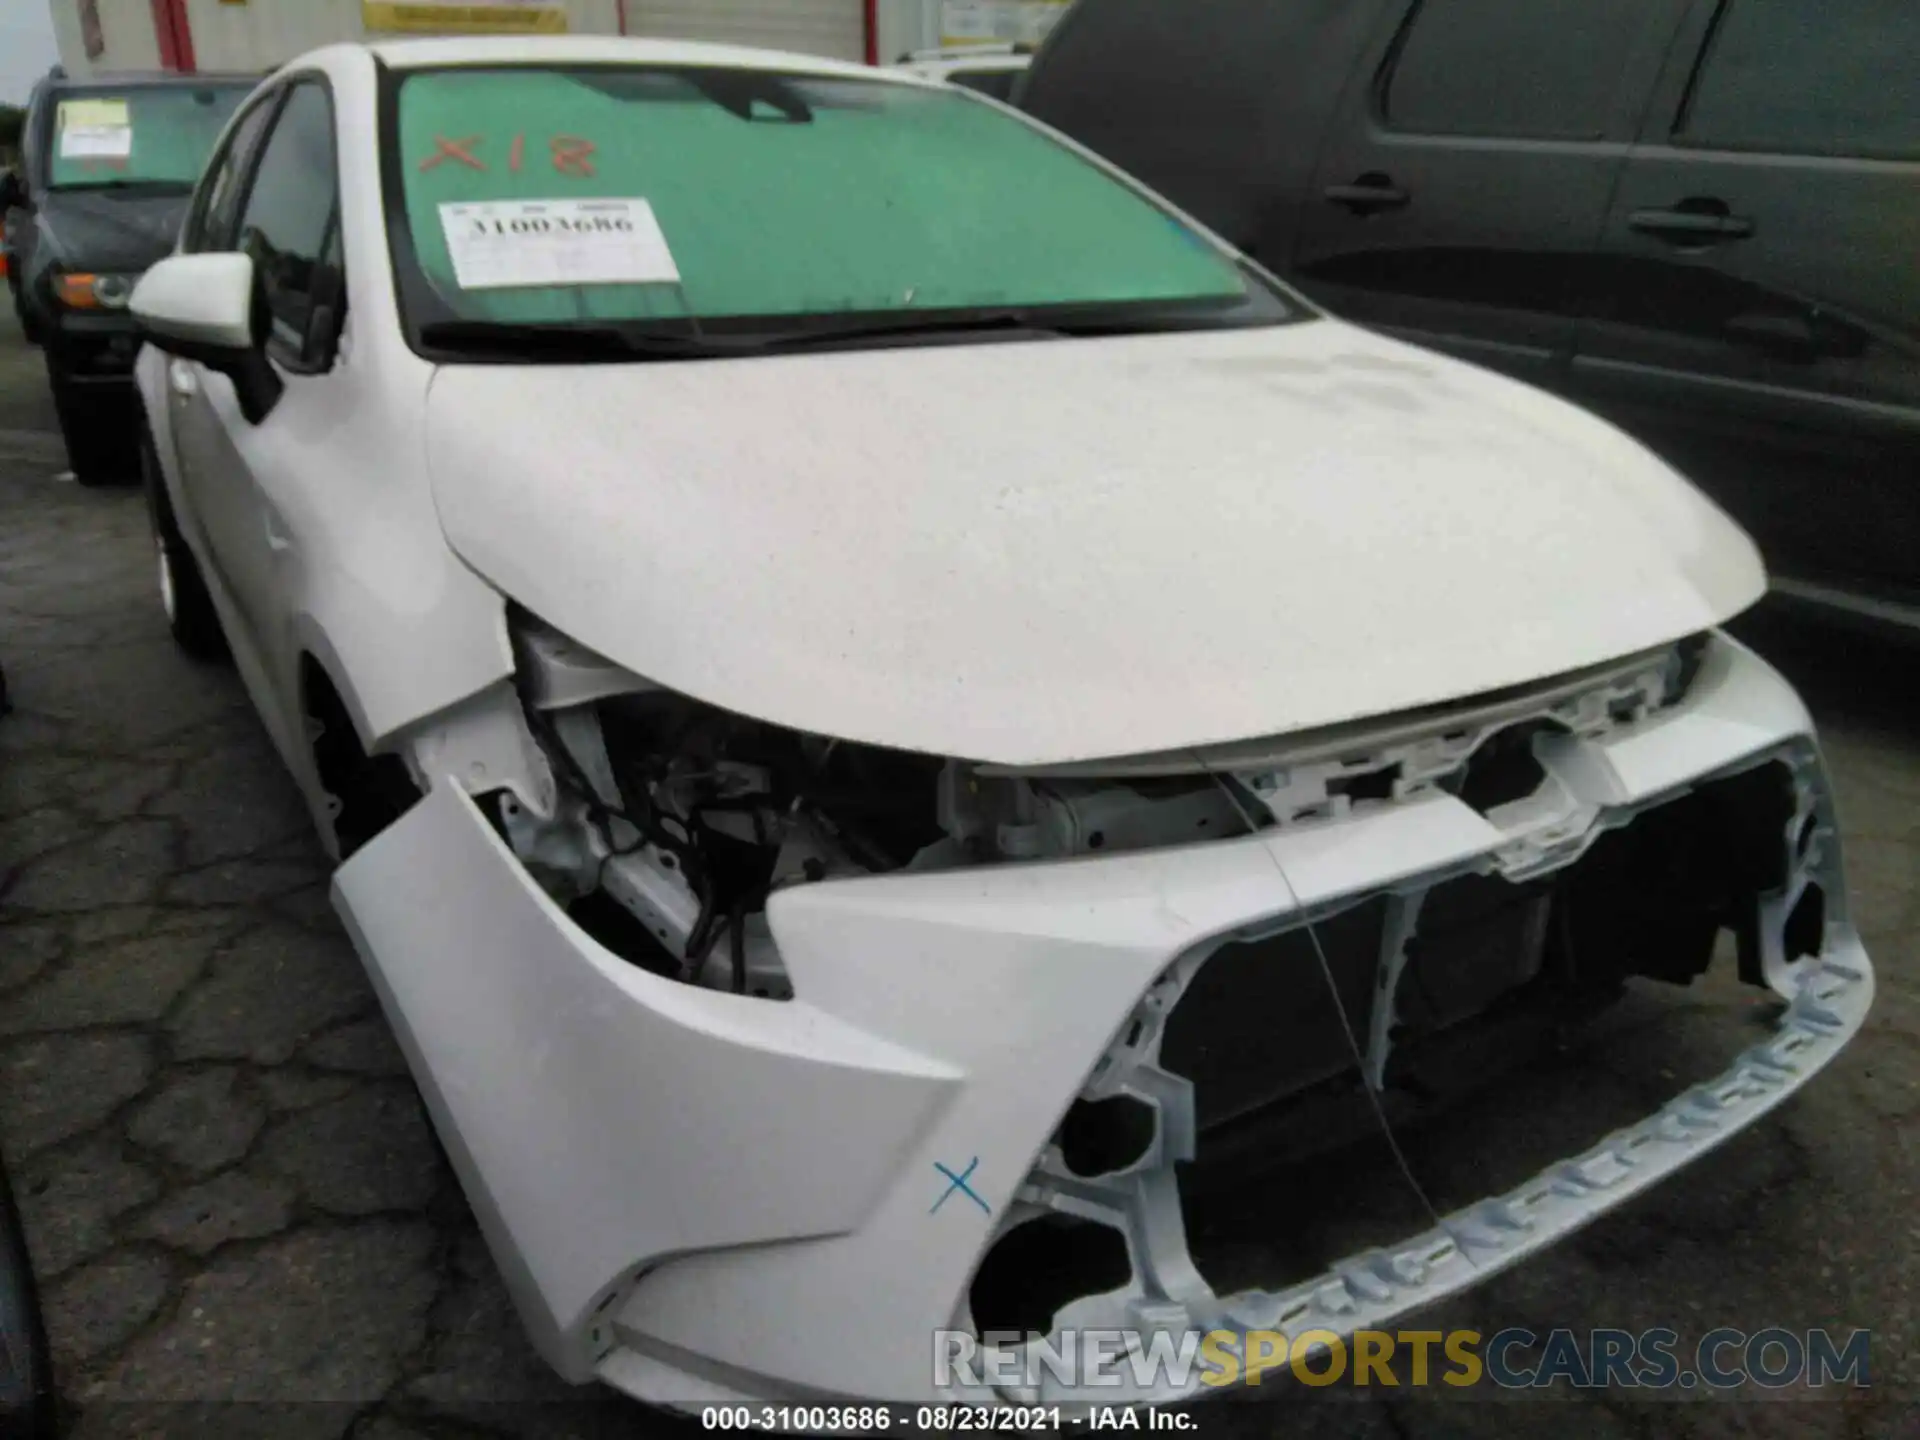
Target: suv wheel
[(98, 447), (28, 330)]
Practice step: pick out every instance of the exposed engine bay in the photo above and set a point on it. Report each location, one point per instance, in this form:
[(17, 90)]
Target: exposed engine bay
[(675, 822)]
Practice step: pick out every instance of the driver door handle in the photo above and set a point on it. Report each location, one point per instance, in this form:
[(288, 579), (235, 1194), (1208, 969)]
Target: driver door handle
[(1790, 337), (185, 383)]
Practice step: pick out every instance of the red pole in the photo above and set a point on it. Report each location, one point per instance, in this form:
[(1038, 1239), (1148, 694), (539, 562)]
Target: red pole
[(163, 35), (174, 35), (183, 37), (620, 9), (873, 32)]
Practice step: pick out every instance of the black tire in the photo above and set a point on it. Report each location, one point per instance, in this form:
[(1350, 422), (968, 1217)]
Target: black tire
[(29, 331), (183, 592), (99, 448), (370, 792), (27, 1395)]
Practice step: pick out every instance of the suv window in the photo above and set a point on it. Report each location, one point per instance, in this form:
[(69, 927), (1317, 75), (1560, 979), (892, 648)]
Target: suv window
[(1535, 69), (288, 221), (216, 208), (155, 135), (1837, 78)]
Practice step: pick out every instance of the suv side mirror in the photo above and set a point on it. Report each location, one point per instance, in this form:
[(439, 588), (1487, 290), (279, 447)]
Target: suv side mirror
[(13, 194), (202, 307)]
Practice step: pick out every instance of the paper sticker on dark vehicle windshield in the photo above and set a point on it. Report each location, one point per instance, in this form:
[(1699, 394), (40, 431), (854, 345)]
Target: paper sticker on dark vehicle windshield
[(95, 130)]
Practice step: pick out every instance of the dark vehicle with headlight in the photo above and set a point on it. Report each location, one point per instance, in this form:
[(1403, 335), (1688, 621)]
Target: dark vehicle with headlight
[(108, 165)]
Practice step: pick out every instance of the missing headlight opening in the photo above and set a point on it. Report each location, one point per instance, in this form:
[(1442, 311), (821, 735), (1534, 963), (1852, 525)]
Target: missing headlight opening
[(677, 821)]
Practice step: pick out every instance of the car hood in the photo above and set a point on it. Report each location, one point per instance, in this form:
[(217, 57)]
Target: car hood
[(1052, 551), (111, 231)]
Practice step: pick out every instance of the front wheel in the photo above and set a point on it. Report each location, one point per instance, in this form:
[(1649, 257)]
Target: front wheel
[(183, 591)]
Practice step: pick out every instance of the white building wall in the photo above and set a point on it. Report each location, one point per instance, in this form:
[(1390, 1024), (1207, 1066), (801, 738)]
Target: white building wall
[(125, 25), (902, 26), (835, 28), (263, 34), (260, 34)]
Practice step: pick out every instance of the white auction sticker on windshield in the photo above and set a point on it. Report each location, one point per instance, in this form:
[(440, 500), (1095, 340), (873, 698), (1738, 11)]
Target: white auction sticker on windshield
[(515, 244), (95, 130)]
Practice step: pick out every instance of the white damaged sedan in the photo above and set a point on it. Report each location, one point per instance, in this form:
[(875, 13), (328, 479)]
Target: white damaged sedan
[(882, 695)]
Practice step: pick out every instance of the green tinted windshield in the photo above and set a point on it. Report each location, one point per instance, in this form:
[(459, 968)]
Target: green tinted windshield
[(151, 133), (745, 194)]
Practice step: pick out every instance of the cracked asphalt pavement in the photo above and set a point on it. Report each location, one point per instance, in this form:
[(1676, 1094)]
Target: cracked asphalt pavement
[(242, 1223)]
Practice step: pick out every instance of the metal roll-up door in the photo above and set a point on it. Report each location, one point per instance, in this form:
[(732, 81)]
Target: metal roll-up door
[(835, 28)]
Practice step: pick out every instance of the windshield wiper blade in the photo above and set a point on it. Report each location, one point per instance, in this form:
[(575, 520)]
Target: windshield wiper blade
[(611, 342), (181, 187), (910, 326)]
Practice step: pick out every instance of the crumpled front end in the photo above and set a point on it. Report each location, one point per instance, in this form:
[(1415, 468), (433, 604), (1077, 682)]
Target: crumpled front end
[(757, 1116)]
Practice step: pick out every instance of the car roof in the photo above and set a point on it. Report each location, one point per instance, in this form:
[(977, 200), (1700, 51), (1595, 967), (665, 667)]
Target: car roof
[(968, 65), (601, 50), (150, 80)]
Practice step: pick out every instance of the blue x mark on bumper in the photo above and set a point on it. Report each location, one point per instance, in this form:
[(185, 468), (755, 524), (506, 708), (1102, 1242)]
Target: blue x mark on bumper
[(959, 1182)]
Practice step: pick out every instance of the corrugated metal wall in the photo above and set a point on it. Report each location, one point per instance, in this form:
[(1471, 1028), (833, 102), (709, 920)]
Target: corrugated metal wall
[(259, 34)]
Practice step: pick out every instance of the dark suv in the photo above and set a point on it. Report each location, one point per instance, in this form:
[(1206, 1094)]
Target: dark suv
[(1699, 217), (107, 167)]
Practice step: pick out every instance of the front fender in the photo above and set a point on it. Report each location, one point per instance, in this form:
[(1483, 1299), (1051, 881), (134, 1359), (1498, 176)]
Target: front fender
[(165, 495)]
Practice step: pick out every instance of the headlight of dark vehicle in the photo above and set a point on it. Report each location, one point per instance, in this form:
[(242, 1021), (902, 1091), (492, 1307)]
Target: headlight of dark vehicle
[(84, 290)]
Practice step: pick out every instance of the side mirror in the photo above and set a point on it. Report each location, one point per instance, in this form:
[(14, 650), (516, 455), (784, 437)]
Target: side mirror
[(13, 194), (202, 307)]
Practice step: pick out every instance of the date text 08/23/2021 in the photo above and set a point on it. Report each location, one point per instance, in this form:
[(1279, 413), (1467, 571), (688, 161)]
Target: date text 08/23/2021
[(1772, 1358), (942, 1419)]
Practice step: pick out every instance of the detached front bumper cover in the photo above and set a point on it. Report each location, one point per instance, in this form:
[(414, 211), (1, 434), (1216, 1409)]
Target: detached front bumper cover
[(699, 1196)]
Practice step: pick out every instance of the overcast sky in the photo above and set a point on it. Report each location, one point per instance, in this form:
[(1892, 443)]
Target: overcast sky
[(26, 47)]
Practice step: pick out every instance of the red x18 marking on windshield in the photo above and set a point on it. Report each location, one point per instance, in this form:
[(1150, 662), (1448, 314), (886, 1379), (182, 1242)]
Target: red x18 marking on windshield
[(572, 154), (461, 150)]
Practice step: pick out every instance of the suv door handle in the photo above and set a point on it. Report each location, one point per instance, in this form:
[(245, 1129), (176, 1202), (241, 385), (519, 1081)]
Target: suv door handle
[(184, 383), (1790, 337), (1368, 194), (1696, 222)]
